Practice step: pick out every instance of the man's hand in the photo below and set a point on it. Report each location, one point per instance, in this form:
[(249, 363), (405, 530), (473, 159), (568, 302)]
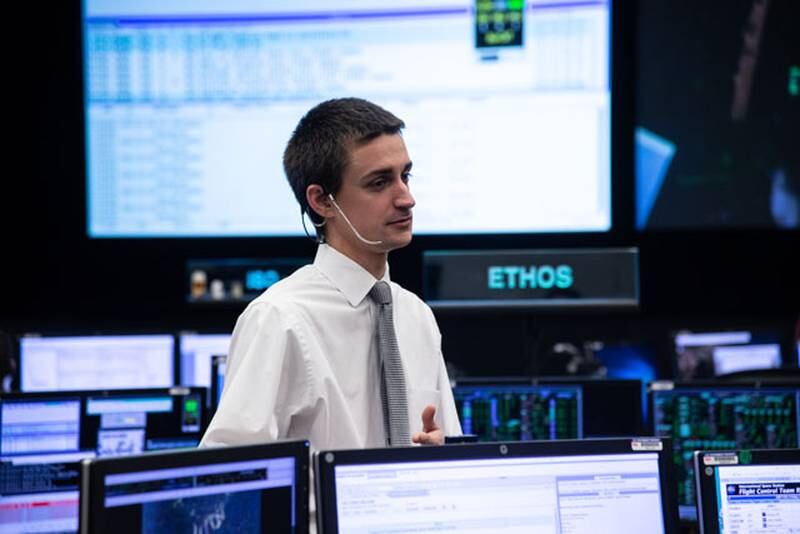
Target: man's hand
[(431, 434)]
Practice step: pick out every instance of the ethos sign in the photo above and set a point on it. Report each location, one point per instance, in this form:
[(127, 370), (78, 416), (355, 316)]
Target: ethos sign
[(532, 278)]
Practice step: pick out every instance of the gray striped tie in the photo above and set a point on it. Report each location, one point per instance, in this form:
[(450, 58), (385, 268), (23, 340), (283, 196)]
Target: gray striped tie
[(393, 379)]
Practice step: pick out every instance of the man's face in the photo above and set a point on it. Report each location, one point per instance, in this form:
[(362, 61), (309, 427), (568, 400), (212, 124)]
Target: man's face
[(375, 196)]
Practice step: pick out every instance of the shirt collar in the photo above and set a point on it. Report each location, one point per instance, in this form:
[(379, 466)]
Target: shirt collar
[(346, 275)]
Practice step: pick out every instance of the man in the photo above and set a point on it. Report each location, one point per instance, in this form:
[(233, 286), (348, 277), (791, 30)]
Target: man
[(315, 357)]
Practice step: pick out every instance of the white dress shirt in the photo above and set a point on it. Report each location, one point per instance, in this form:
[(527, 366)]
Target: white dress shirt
[(303, 362)]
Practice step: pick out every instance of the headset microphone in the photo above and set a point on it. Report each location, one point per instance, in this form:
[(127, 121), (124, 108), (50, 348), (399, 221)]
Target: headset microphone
[(353, 228)]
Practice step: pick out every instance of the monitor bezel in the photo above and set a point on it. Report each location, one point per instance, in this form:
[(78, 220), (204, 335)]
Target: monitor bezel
[(325, 463), (94, 471)]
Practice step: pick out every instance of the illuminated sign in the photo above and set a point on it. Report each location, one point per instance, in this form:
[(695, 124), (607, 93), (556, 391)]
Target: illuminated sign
[(532, 278)]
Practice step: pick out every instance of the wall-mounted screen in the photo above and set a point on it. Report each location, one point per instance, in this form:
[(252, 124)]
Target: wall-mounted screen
[(718, 115), (189, 106)]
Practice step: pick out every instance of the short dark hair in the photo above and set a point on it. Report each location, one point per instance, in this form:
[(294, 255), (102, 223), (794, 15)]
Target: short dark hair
[(319, 149)]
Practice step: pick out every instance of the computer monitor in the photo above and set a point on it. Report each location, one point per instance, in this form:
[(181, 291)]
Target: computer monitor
[(706, 354), (508, 410), (137, 421), (196, 351), (39, 455), (43, 437), (106, 422), (39, 492), (249, 489), (218, 366), (68, 363), (748, 491), (611, 485), (715, 417), (185, 100)]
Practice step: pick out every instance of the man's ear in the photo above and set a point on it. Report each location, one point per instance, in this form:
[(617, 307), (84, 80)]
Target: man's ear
[(318, 201)]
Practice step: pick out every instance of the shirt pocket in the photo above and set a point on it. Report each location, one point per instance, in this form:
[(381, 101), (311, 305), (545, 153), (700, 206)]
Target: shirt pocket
[(417, 401)]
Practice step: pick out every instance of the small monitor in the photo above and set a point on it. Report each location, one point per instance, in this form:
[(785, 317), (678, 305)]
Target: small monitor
[(714, 417), (218, 366), (69, 363), (706, 354), (748, 491), (196, 351), (502, 410), (611, 485), (249, 489)]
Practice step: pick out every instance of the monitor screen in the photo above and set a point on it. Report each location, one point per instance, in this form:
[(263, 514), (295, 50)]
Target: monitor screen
[(707, 354), (519, 412), (196, 351), (64, 363), (39, 492), (514, 491), (746, 492), (251, 489), (40, 425), (718, 418), (131, 423), (45, 436), (189, 106), (243, 496)]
